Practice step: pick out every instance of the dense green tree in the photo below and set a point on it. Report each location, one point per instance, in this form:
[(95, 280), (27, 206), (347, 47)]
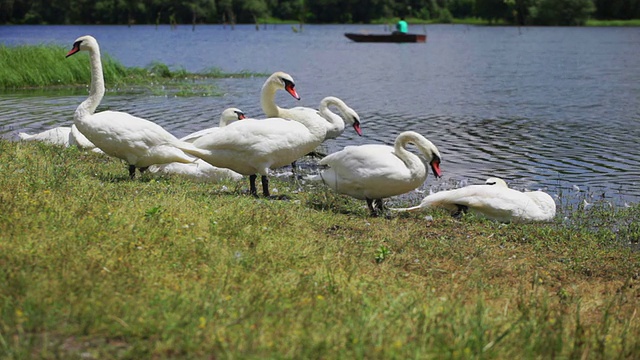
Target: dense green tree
[(617, 9), (561, 12), (461, 8), (493, 10)]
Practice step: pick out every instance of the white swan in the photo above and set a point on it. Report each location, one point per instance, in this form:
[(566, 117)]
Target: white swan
[(201, 170), (253, 146), (277, 81), (495, 201), (62, 136), (373, 172), (228, 116), (280, 80), (139, 142)]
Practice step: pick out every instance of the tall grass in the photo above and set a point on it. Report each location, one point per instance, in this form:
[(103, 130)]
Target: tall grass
[(93, 265), (38, 66), (45, 65)]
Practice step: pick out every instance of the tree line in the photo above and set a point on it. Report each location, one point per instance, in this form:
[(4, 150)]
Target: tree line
[(519, 12)]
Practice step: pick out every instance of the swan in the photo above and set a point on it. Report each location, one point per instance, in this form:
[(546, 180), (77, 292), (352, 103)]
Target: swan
[(493, 200), (228, 116), (373, 172), (253, 146), (277, 81), (63, 136), (137, 141), (201, 170), (280, 80)]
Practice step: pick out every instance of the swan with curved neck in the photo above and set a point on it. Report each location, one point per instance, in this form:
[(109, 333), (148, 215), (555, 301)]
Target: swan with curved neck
[(277, 81), (137, 141), (493, 200), (253, 146), (283, 81), (373, 172), (336, 125)]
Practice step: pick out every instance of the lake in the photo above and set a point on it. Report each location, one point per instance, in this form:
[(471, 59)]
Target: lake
[(544, 108)]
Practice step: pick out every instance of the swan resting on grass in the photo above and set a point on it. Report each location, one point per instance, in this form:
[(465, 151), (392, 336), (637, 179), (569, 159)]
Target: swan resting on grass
[(139, 142), (201, 170), (373, 172), (62, 136), (493, 200)]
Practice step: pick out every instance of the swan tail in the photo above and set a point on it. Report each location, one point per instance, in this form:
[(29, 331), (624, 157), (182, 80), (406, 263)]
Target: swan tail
[(190, 149), (409, 209)]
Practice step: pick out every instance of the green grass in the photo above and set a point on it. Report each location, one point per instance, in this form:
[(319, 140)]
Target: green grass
[(633, 22), (93, 265), (42, 66)]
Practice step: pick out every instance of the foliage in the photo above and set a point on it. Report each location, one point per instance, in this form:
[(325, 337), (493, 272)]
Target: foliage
[(309, 11), (94, 265), (561, 12), (30, 66)]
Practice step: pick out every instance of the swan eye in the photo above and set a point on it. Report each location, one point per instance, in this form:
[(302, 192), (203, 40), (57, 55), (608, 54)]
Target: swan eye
[(491, 183), (240, 115), (288, 83), (75, 49)]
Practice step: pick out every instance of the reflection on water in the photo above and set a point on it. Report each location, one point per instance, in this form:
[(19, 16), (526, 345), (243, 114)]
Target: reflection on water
[(545, 108)]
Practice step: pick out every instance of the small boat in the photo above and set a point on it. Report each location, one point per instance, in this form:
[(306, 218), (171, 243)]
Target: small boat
[(392, 38)]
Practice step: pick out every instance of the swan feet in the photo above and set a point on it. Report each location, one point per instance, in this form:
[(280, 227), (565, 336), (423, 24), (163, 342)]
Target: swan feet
[(132, 171), (462, 209), (265, 189), (377, 208)]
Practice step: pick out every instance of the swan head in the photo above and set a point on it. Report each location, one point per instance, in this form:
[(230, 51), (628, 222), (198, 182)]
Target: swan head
[(83, 43), (230, 115), (352, 117), (284, 81), (496, 181), (426, 147), (435, 165)]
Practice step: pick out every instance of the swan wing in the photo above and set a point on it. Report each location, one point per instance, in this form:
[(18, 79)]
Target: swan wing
[(138, 141), (251, 145), (368, 171), (198, 134)]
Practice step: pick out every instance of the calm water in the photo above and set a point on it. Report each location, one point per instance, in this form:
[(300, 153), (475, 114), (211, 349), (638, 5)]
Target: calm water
[(548, 108)]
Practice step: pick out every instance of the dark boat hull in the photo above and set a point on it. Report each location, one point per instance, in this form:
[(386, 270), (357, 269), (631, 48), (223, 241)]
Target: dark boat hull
[(393, 38)]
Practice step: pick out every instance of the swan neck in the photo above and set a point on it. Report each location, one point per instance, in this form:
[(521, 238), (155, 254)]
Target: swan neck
[(334, 120), (413, 163), (96, 91), (268, 101)]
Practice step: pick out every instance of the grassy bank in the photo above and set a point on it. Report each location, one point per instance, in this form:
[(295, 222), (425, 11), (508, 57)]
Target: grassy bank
[(93, 265), (38, 66), (593, 22), (478, 21)]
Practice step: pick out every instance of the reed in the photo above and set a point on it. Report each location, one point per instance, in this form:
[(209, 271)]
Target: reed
[(39, 66), (93, 265)]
